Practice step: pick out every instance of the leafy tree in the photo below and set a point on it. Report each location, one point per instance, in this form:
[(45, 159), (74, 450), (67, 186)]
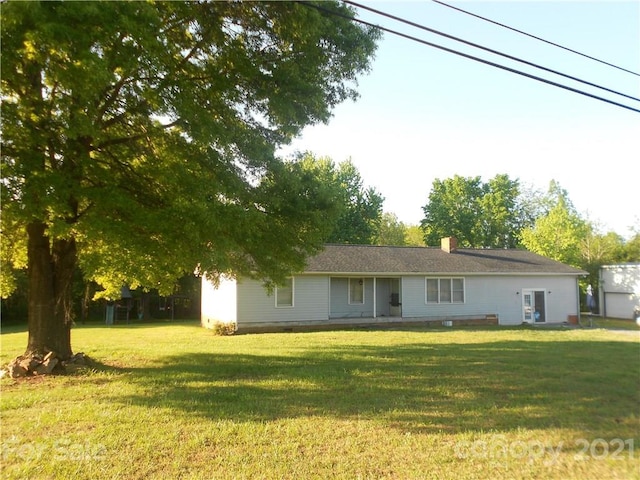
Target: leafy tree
[(360, 219), (533, 203), (452, 209), (414, 236), (501, 217), (13, 253), (139, 140), (359, 216), (560, 233), (478, 214), (392, 231), (597, 250), (631, 250)]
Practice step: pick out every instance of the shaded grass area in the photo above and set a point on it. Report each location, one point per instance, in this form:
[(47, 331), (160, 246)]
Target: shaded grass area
[(174, 401)]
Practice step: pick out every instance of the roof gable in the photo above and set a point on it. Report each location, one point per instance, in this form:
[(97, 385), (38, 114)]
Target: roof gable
[(373, 259)]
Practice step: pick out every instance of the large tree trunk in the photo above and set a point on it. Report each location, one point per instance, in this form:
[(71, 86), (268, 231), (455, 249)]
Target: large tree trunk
[(50, 270)]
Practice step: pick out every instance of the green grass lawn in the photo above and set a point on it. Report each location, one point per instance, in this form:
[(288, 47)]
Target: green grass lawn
[(175, 401)]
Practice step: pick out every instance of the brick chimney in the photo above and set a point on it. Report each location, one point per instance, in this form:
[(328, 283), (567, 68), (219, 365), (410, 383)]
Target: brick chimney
[(449, 244)]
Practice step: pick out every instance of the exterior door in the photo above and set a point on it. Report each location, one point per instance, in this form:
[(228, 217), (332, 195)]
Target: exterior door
[(395, 298), (533, 306)]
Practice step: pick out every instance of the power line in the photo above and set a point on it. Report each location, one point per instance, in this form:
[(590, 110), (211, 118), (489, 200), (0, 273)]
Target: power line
[(470, 57), (490, 50), (537, 38)]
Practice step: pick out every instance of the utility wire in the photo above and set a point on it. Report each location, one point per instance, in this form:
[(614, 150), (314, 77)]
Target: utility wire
[(470, 57), (537, 38), (490, 50)]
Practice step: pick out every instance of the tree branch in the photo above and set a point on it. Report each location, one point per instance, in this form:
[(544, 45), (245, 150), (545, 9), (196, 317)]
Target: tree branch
[(119, 141)]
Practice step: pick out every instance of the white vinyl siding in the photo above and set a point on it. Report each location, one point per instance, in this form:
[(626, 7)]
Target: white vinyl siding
[(257, 308), (493, 294), (341, 304), (444, 290)]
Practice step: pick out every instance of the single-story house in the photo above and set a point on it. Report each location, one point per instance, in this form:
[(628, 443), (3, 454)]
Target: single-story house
[(366, 284), (620, 290)]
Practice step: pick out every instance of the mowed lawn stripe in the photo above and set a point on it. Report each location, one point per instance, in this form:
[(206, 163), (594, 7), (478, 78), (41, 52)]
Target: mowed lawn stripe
[(176, 401)]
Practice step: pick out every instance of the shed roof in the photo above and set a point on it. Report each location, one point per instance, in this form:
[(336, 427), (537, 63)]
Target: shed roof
[(373, 259)]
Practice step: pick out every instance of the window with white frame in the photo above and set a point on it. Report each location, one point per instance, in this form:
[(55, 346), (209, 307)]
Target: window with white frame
[(356, 291), (444, 290), (284, 294)]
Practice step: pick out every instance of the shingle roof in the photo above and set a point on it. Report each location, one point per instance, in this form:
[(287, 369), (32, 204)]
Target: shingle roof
[(372, 259)]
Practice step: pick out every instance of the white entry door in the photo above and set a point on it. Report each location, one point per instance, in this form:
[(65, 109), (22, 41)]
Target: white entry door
[(533, 306)]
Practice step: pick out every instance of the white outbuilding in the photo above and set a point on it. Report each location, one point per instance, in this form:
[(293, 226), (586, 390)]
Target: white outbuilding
[(620, 290)]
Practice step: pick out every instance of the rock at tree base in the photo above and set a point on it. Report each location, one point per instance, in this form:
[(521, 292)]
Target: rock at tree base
[(26, 366)]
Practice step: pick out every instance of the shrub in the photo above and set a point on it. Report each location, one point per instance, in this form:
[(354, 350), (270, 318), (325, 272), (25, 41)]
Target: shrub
[(221, 328)]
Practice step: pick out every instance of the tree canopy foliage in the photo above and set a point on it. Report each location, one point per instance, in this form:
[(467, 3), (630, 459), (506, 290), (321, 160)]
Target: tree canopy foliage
[(391, 231), (139, 141), (478, 214), (360, 220), (503, 214), (557, 233), (360, 207), (631, 250)]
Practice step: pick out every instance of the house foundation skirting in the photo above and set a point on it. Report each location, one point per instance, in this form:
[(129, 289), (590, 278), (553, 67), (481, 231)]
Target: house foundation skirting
[(366, 322)]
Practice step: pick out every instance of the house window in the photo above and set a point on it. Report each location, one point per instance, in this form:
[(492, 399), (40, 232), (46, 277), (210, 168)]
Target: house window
[(444, 290), (284, 294), (457, 290), (356, 291), (433, 290)]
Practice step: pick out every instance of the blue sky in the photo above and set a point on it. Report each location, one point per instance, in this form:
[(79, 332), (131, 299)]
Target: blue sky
[(424, 114)]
